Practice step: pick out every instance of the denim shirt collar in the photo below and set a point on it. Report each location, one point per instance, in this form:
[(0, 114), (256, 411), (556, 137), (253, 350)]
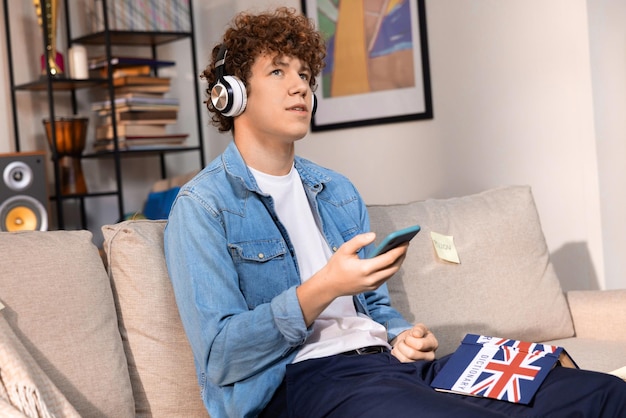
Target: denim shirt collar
[(312, 178)]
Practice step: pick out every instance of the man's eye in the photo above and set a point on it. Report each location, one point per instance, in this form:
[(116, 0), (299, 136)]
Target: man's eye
[(304, 76), (276, 72)]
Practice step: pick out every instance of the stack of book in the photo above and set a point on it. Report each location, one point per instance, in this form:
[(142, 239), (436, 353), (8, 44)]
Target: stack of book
[(142, 112)]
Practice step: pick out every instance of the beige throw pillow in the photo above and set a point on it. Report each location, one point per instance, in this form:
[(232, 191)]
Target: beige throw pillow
[(504, 285), (60, 305), (160, 358)]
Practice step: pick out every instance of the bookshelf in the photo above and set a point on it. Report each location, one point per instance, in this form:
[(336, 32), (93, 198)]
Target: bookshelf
[(108, 36)]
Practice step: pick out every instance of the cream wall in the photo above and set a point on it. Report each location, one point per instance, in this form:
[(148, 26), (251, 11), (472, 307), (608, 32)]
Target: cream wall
[(513, 92)]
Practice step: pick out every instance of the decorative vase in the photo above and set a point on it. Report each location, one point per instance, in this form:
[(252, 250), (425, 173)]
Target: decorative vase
[(69, 143)]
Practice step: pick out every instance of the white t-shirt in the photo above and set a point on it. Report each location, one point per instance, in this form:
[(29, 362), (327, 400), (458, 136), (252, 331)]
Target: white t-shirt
[(339, 327)]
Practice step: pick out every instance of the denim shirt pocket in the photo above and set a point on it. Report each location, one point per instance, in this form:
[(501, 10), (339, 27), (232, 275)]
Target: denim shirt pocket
[(259, 263)]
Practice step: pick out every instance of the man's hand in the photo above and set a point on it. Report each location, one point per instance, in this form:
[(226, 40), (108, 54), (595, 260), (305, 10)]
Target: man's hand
[(417, 343), (346, 274)]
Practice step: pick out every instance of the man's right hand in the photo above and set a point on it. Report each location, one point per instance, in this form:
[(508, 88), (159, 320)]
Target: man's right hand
[(346, 274)]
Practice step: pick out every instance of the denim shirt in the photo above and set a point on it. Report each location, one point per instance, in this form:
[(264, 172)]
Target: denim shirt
[(235, 274)]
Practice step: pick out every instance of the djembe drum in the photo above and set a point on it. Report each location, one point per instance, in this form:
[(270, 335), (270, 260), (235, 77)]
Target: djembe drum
[(70, 136)]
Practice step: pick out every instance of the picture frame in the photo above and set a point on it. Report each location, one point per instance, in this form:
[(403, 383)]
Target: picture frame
[(377, 64)]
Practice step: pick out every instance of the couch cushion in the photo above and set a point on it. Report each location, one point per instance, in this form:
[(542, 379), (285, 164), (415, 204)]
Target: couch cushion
[(504, 285), (59, 303), (159, 357), (22, 382), (593, 354)]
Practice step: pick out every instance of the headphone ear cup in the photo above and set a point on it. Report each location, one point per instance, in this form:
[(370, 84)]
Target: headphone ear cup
[(237, 96), (229, 96)]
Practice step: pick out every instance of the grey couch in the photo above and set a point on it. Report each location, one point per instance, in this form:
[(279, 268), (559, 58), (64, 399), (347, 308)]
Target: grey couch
[(105, 339)]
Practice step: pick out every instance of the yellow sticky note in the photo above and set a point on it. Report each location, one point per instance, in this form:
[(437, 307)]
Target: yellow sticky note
[(444, 246)]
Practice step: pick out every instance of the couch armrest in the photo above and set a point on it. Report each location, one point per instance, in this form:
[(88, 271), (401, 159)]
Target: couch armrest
[(599, 314)]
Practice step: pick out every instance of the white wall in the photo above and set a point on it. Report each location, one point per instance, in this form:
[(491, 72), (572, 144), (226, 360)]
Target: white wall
[(26, 68), (607, 35), (513, 103)]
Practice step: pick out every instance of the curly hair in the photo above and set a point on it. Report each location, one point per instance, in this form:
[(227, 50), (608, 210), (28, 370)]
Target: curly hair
[(282, 32)]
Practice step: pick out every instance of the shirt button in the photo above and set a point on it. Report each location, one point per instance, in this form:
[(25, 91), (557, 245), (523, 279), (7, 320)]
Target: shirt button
[(335, 249), (261, 256)]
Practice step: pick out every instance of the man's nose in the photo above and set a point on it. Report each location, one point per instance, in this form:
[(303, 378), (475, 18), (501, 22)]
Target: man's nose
[(299, 86)]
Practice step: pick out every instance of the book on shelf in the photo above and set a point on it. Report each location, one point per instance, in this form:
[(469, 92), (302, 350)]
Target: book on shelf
[(168, 138), (101, 62), (124, 130), (139, 108), (142, 88), (499, 368), (141, 117), (125, 71), (137, 94), (136, 142), (141, 80), (139, 147), (127, 66), (135, 101)]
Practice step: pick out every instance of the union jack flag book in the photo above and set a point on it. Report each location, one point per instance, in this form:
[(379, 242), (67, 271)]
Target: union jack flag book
[(499, 368)]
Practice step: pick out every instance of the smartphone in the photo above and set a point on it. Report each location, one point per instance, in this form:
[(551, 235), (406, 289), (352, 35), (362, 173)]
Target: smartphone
[(394, 239)]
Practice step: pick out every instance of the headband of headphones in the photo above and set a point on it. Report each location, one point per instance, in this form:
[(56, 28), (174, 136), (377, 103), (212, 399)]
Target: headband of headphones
[(220, 62)]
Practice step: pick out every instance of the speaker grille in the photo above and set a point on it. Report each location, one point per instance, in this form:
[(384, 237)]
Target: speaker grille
[(23, 213), (17, 175), (23, 192)]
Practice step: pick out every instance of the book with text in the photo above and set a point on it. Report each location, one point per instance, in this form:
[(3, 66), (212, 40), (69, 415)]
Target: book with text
[(499, 368)]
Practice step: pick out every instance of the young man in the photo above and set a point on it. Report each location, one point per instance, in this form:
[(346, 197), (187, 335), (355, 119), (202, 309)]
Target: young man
[(265, 251)]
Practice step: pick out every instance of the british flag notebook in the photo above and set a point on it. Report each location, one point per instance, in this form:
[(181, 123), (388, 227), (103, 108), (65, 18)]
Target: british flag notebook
[(498, 368)]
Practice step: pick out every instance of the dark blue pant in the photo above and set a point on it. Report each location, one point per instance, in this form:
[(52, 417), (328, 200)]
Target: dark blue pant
[(378, 385)]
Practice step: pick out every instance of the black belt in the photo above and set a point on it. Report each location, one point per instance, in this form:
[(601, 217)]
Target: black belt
[(374, 349)]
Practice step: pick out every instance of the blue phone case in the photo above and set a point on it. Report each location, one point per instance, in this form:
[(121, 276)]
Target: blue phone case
[(394, 239)]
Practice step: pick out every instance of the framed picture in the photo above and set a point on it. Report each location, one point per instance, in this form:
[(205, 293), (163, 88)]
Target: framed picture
[(377, 68)]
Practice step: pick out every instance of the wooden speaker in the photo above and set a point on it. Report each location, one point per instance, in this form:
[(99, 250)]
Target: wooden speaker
[(23, 192)]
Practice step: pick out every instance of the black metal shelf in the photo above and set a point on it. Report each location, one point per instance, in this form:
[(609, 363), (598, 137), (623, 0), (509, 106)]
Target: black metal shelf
[(84, 195), (51, 85), (142, 151), (131, 38), (62, 84)]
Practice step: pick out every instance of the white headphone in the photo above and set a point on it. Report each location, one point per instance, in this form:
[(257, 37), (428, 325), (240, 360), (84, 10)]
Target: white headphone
[(228, 94)]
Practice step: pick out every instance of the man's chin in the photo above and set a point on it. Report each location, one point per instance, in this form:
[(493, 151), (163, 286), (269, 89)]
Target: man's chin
[(301, 133)]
